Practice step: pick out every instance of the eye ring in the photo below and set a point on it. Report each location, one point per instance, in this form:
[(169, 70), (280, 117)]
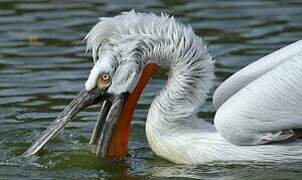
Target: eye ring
[(104, 80), (105, 77)]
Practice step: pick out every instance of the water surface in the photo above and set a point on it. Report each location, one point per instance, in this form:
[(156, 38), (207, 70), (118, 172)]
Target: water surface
[(43, 65)]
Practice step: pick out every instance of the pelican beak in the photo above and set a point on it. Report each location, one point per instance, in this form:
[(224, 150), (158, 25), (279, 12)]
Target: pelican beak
[(111, 107)]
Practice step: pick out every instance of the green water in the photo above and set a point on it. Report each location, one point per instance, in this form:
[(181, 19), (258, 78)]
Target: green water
[(43, 65)]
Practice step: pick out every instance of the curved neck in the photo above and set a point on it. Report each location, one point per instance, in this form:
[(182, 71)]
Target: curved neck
[(172, 112), (189, 81), (181, 97)]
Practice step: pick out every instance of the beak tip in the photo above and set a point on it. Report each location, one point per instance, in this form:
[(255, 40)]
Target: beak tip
[(82, 100)]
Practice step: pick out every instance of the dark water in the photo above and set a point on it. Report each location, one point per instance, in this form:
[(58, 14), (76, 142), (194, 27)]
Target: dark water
[(43, 65)]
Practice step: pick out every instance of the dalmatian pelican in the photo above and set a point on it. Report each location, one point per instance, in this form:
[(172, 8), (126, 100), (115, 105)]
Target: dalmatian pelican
[(259, 108)]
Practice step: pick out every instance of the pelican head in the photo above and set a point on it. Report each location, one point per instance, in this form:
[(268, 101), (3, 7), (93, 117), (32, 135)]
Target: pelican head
[(122, 68)]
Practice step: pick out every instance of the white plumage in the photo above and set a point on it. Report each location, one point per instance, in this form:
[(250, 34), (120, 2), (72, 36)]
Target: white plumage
[(259, 104), (253, 71), (267, 108)]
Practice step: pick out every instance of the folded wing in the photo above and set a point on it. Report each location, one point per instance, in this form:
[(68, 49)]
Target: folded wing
[(262, 103), (253, 71)]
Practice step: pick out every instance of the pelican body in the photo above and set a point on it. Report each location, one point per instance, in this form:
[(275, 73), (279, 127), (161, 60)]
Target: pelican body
[(258, 109)]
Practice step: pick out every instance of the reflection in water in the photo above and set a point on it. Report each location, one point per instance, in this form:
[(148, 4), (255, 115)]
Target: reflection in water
[(43, 65)]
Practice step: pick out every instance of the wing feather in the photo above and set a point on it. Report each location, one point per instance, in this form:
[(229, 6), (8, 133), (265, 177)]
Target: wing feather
[(251, 72), (269, 105)]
